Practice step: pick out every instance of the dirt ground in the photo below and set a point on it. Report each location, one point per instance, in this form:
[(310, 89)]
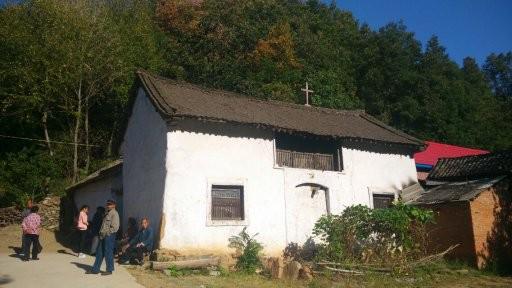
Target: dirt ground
[(57, 266), (10, 236)]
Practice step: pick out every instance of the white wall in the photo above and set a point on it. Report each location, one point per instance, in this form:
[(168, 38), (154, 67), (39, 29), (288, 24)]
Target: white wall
[(197, 160), (204, 153), (144, 149), (96, 193), (368, 172)]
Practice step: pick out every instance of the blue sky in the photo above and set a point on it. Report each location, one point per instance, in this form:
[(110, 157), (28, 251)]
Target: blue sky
[(473, 28)]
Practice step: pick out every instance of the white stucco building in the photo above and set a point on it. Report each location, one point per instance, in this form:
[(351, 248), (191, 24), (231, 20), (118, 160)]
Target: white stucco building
[(202, 164), (100, 186)]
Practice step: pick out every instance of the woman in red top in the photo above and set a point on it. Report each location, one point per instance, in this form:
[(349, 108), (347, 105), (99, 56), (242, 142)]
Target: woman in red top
[(81, 226)]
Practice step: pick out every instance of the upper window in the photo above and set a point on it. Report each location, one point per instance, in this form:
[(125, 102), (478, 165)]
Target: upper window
[(383, 200), (227, 202), (307, 152)]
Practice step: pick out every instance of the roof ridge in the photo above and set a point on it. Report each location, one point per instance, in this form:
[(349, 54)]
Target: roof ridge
[(341, 123), (211, 90)]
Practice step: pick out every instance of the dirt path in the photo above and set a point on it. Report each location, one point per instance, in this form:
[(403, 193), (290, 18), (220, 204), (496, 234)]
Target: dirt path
[(57, 266)]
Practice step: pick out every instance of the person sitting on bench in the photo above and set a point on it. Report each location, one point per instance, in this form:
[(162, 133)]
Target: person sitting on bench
[(140, 244)]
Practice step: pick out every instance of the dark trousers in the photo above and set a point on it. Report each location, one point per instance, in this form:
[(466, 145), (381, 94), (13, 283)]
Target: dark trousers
[(23, 242), (31, 240), (82, 234), (105, 250), (134, 253)]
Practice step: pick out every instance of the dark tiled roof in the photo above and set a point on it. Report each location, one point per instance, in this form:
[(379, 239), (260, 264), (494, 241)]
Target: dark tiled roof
[(111, 168), (456, 191), (472, 167), (179, 99)]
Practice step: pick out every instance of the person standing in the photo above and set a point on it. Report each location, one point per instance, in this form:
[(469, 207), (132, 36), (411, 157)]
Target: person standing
[(24, 214), (107, 236), (81, 226), (31, 226)]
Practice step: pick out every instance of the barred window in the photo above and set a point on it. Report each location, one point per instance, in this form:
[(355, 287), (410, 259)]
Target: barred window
[(383, 200), (227, 202)]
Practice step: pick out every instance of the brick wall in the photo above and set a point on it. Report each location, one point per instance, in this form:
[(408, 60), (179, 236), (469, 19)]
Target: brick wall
[(491, 213), (453, 226)]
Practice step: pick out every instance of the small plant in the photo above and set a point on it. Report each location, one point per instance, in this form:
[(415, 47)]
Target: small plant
[(174, 271), (248, 250)]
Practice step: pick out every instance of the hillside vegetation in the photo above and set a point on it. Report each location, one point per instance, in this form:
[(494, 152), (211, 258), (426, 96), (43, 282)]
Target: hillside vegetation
[(67, 68)]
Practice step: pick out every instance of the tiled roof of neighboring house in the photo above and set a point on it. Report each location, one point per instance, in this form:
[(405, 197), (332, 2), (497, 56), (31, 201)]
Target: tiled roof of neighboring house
[(472, 167), (456, 191), (436, 150), (178, 99), (109, 169), (411, 192)]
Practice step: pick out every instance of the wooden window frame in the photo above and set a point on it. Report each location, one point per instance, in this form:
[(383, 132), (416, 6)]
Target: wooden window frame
[(210, 221), (337, 159), (239, 209), (382, 196), (378, 191)]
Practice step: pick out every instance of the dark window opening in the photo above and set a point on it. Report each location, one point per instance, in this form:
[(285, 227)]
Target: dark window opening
[(383, 200), (308, 152), (227, 202)]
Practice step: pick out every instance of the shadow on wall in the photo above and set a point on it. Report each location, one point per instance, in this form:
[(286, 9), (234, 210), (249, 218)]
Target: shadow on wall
[(379, 147), (231, 130), (499, 240), (66, 235), (67, 214)]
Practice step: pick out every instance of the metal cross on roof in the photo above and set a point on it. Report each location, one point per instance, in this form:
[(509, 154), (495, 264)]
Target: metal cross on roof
[(307, 93)]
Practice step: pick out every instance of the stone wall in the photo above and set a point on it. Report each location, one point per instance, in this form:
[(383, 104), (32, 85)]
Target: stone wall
[(9, 216), (49, 209)]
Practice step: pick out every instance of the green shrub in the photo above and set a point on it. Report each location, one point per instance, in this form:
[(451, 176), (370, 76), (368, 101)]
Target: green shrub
[(301, 253), (248, 250), (361, 234), (28, 174)]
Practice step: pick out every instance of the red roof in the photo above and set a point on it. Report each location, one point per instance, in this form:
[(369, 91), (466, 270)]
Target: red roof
[(436, 150)]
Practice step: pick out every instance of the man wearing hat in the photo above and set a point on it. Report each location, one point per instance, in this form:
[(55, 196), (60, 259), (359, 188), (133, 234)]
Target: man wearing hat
[(107, 236)]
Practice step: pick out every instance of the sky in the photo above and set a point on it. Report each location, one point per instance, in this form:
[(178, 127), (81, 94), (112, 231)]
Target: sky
[(474, 28)]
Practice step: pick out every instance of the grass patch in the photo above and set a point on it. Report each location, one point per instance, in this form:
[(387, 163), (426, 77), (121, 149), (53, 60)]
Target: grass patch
[(440, 274)]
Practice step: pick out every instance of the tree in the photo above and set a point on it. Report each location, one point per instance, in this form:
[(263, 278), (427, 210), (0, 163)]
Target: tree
[(498, 70), (66, 69)]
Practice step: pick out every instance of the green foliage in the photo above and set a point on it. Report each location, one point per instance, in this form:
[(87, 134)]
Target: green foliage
[(301, 253), (498, 71), (269, 48), (51, 50), (28, 174), (379, 235), (248, 250), (263, 48), (174, 271)]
